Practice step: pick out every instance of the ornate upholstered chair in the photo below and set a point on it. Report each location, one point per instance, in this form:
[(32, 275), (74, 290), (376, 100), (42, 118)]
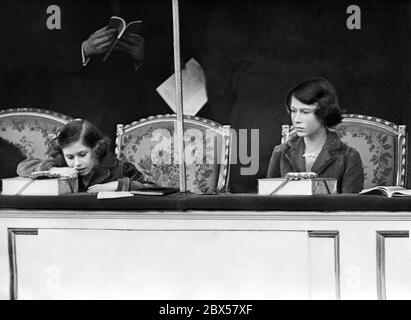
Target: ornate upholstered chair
[(381, 144), (30, 129), (150, 145)]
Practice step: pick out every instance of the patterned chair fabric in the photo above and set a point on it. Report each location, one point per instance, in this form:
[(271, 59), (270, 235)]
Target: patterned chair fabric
[(31, 129), (381, 144), (150, 145)]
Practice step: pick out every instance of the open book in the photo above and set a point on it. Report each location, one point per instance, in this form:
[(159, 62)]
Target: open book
[(150, 191), (122, 28), (155, 191), (388, 191)]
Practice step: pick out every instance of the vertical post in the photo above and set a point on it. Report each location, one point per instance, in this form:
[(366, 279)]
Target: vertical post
[(336, 236), (381, 236), (12, 233), (381, 292), (179, 97)]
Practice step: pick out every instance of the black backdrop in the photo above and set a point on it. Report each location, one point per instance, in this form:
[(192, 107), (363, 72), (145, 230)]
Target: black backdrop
[(253, 52)]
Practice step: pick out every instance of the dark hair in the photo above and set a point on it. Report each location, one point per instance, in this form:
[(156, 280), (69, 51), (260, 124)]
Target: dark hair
[(79, 130), (322, 93)]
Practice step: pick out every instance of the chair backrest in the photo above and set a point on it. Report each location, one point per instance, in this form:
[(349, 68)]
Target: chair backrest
[(31, 129), (381, 144), (150, 145)]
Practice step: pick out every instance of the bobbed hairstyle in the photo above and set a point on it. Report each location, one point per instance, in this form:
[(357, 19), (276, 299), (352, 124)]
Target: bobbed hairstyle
[(79, 130), (323, 94)]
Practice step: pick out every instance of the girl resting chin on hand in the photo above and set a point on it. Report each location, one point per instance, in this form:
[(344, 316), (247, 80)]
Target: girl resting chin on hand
[(80, 150)]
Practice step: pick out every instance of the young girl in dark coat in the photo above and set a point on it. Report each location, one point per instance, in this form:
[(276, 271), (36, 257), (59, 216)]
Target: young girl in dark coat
[(80, 150), (315, 111)]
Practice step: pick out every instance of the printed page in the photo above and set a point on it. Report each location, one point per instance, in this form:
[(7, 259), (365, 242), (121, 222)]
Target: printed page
[(119, 24), (113, 194), (384, 190), (194, 89), (133, 26), (402, 193)]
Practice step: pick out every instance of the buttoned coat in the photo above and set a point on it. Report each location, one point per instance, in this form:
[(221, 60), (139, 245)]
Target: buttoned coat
[(336, 160)]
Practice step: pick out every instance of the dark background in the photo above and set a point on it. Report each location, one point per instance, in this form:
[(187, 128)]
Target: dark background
[(252, 52)]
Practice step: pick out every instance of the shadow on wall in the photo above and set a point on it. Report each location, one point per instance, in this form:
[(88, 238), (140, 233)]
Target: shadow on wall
[(10, 156)]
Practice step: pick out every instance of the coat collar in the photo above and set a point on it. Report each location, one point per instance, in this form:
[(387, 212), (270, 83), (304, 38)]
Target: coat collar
[(294, 150), (100, 173)]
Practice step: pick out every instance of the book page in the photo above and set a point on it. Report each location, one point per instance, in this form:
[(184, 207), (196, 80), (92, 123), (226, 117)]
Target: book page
[(113, 194), (119, 24), (155, 191), (382, 190), (134, 26), (194, 89), (402, 193)]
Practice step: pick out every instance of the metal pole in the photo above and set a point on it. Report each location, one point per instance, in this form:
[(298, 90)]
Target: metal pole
[(179, 97)]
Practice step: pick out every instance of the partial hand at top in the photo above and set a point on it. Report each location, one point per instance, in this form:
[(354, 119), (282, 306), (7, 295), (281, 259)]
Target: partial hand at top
[(99, 41), (133, 45)]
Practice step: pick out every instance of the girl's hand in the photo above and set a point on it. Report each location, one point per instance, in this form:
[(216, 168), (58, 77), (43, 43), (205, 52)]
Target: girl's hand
[(64, 172), (109, 186)]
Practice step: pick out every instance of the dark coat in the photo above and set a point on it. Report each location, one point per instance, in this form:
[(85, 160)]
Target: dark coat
[(110, 169), (336, 160)]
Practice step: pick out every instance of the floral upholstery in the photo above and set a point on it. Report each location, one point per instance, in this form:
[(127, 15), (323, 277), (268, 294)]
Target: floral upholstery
[(150, 145), (30, 129), (381, 145), (379, 161)]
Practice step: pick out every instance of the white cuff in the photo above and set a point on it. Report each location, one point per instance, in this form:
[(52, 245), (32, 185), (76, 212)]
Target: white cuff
[(83, 57)]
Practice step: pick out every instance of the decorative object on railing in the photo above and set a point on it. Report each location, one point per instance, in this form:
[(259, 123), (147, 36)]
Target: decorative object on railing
[(300, 175)]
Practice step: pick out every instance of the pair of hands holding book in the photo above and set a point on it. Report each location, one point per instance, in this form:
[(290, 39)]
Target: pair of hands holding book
[(99, 42)]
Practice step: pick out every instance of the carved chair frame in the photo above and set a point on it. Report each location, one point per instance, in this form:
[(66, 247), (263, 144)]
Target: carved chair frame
[(37, 112), (223, 130)]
